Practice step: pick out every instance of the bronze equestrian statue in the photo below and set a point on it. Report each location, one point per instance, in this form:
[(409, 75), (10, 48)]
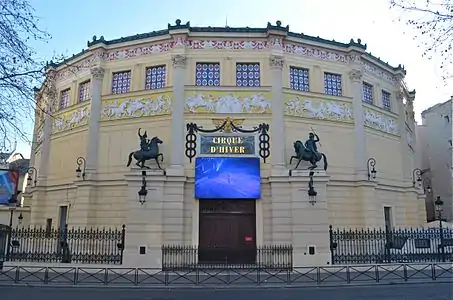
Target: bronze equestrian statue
[(309, 152), (149, 149)]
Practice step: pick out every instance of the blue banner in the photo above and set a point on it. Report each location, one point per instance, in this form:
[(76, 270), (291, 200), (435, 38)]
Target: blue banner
[(9, 180)]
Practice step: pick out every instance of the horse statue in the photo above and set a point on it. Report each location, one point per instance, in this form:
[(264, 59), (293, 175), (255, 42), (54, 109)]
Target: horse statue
[(149, 149), (308, 152)]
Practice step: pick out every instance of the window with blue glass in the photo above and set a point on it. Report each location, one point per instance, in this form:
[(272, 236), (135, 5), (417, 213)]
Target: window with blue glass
[(155, 77), (386, 104), (332, 84), (248, 74), (298, 79), (121, 82), (207, 74), (367, 96)]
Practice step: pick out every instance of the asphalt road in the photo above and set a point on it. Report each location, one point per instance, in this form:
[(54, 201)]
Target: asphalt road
[(431, 291)]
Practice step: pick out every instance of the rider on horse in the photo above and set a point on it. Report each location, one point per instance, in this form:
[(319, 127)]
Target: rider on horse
[(310, 144)]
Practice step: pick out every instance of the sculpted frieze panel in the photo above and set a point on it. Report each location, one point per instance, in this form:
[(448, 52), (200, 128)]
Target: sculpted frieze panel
[(71, 119), (379, 121), (228, 102), (153, 105), (318, 109)]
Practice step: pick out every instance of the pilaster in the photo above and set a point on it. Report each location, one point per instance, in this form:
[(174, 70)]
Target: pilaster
[(144, 223), (406, 174), (97, 75), (371, 207), (173, 211), (360, 139), (43, 167), (82, 213), (280, 210), (278, 124), (310, 221), (177, 116)]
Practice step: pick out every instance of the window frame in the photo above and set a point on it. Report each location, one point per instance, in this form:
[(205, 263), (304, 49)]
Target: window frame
[(88, 82), (247, 63), (369, 85), (291, 68), (197, 63), (389, 108), (130, 81), (164, 83), (341, 81), (68, 90)]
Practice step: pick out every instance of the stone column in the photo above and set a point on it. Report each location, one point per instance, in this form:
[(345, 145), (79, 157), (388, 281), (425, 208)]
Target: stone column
[(278, 117), (360, 141), (177, 116), (97, 75)]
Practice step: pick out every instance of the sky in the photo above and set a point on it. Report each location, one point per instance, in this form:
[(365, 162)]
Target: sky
[(73, 23)]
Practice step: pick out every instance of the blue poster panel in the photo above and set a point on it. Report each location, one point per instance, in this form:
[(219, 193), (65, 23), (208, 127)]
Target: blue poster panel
[(9, 181), (227, 178)]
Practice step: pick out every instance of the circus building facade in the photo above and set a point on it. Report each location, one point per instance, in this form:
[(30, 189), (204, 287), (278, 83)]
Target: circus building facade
[(192, 135)]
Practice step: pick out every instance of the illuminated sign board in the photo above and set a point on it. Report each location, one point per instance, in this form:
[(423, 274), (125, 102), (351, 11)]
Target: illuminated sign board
[(227, 145)]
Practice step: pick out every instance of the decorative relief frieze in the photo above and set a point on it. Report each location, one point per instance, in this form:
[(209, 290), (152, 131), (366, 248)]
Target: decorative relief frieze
[(318, 109), (379, 73), (228, 44), (87, 63), (153, 105), (71, 119), (379, 121), (228, 102)]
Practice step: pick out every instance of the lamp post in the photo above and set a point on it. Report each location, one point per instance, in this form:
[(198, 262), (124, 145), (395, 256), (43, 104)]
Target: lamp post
[(371, 164), (142, 192), (427, 186), (312, 193), (416, 176), (32, 176), (438, 204), (81, 167), (12, 201)]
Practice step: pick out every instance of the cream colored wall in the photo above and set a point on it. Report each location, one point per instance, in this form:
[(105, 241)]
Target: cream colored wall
[(118, 137)]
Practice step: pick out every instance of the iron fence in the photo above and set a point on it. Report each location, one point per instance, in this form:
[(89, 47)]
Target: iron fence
[(66, 245), (298, 276), (368, 246), (180, 257)]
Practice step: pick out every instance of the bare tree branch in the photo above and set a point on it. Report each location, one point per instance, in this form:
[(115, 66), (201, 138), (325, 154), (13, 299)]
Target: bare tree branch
[(433, 23), (20, 71)]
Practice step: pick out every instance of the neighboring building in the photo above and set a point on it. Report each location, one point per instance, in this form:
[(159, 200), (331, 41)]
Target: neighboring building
[(164, 80), (435, 146)]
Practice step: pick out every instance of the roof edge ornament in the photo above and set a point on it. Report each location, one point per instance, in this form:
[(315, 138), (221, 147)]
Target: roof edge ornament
[(277, 27), (96, 41), (178, 25)]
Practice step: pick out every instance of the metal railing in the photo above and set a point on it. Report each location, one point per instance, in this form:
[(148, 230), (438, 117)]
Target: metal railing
[(66, 245), (368, 246), (180, 257), (298, 276)]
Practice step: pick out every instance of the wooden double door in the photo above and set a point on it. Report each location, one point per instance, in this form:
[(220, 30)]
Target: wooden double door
[(227, 232)]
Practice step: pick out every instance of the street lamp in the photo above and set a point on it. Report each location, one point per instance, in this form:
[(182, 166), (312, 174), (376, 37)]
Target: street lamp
[(32, 176), (12, 201), (142, 192), (416, 176), (312, 193), (438, 204), (371, 163), (81, 167), (20, 218)]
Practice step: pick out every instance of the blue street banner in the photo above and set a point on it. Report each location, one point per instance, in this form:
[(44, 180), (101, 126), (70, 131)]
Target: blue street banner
[(9, 181)]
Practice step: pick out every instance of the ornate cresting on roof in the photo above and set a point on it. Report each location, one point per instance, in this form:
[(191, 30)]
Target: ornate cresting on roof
[(295, 43)]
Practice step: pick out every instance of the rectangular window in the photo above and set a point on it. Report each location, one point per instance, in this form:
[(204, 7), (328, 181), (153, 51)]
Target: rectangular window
[(298, 79), (48, 225), (64, 98), (386, 101), (248, 74), (84, 91), (388, 217), (63, 217), (367, 96), (155, 77), (207, 74), (121, 82), (333, 84)]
